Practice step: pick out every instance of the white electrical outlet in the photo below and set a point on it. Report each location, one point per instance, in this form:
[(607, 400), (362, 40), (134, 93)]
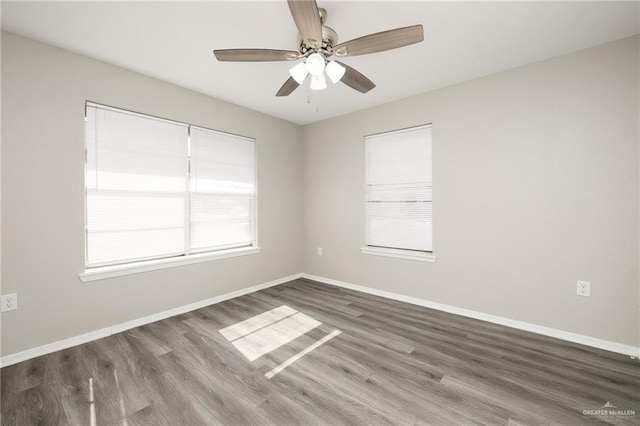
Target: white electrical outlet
[(8, 302), (319, 251), (584, 289)]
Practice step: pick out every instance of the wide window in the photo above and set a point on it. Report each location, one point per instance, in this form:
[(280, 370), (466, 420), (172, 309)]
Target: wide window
[(398, 190), (159, 189)]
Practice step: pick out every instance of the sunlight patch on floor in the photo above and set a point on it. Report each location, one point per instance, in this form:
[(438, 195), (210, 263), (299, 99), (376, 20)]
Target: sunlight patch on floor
[(308, 349), (121, 399), (268, 331), (92, 403), (252, 324)]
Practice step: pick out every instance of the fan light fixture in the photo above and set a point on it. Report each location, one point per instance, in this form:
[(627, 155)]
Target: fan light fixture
[(318, 82), (299, 72), (335, 71), (315, 65)]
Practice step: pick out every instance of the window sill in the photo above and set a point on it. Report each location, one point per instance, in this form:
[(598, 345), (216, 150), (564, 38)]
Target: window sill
[(103, 272), (400, 254)]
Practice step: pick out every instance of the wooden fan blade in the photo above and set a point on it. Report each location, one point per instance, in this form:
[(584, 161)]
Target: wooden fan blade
[(307, 18), (356, 80), (255, 55), (379, 42), (288, 87)]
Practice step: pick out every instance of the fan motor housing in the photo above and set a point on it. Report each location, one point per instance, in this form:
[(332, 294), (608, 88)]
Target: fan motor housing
[(329, 36), (329, 39)]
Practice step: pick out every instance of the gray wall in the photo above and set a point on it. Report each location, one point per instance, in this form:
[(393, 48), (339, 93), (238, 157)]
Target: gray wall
[(535, 186), (43, 95)]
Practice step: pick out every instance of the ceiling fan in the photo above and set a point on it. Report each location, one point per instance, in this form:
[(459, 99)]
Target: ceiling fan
[(317, 43)]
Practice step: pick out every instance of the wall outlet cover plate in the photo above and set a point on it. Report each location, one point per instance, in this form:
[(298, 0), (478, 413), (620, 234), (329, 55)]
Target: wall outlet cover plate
[(8, 302)]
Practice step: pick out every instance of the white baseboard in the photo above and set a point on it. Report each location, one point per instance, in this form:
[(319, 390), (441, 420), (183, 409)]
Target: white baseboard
[(108, 331), (520, 325)]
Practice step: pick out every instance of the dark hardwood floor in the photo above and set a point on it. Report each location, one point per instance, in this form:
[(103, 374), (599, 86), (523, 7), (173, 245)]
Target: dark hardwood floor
[(306, 353)]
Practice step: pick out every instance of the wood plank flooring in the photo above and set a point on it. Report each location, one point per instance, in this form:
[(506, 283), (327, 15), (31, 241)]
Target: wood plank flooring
[(370, 361)]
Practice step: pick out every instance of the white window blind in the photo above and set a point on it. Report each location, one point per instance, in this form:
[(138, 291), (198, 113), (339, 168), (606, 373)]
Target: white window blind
[(222, 190), (143, 201), (398, 189)]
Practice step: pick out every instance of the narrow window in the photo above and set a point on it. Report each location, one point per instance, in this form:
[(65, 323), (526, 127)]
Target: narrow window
[(222, 191), (398, 190)]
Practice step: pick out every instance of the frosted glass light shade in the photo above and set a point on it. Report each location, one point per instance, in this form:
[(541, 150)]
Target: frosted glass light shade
[(299, 72), (315, 64), (335, 71), (318, 82)]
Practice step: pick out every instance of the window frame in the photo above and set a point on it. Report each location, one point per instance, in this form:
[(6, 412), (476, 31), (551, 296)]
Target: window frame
[(399, 253), (188, 256)]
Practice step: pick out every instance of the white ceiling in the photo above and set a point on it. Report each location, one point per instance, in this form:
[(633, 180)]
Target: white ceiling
[(173, 41)]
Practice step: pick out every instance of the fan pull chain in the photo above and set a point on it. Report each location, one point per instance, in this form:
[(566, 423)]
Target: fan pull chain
[(310, 103)]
